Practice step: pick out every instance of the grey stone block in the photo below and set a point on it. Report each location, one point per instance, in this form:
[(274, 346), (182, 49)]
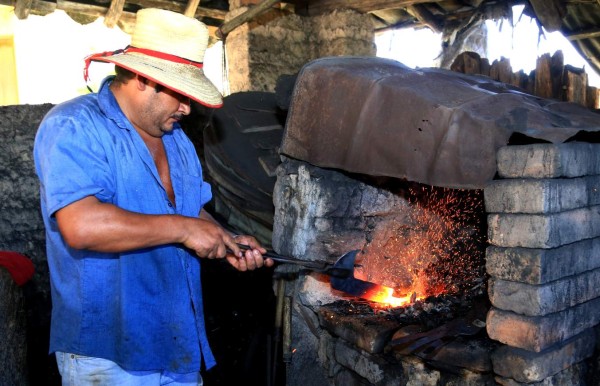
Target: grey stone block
[(373, 368), (538, 333), (420, 373), (539, 300), (539, 266), (471, 354), (526, 366), (361, 332), (573, 159), (541, 196), (543, 231), (573, 376)]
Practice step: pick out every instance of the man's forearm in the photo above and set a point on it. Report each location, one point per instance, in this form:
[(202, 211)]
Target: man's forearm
[(90, 224)]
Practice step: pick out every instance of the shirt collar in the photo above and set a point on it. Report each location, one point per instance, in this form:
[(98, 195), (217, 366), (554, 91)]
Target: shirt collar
[(109, 105)]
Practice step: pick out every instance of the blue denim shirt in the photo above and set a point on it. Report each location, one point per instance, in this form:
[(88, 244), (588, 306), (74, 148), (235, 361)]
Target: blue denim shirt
[(141, 309)]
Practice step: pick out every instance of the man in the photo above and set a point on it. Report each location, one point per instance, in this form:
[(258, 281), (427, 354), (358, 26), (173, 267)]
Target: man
[(121, 196)]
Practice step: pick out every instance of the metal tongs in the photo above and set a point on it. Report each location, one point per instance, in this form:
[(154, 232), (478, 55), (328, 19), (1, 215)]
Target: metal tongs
[(334, 270)]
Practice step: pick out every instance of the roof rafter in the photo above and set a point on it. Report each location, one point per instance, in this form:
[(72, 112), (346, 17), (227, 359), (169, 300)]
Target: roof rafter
[(322, 6), (587, 34)]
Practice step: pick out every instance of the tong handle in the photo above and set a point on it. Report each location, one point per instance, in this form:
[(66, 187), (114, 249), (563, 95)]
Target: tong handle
[(285, 259)]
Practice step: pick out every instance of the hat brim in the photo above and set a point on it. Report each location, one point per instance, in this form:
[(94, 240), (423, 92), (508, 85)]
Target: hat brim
[(184, 79)]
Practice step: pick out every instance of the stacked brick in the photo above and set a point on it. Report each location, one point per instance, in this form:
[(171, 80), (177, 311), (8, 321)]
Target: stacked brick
[(544, 261)]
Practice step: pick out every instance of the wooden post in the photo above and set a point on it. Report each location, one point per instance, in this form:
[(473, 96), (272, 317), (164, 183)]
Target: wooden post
[(543, 77), (557, 68), (531, 83), (519, 79), (467, 62), (592, 100), (575, 81), (501, 70), (190, 9), (484, 66), (114, 13), (423, 15)]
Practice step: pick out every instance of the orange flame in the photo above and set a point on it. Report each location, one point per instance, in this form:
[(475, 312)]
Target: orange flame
[(385, 296)]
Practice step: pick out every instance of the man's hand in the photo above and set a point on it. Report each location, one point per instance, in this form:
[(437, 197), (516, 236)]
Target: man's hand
[(251, 258), (208, 239)]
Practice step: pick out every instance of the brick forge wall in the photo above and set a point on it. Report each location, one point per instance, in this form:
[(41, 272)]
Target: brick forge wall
[(544, 262)]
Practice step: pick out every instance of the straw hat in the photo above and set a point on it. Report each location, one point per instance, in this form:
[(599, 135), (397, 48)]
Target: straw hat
[(167, 48)]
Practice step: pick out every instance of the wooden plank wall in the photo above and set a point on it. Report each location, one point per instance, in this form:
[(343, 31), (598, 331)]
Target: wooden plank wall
[(551, 79)]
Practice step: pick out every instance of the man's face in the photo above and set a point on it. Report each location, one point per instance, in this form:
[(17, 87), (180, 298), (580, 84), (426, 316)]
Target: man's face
[(161, 109)]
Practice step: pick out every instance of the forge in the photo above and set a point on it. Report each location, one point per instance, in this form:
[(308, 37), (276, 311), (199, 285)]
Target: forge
[(474, 208), (422, 249)]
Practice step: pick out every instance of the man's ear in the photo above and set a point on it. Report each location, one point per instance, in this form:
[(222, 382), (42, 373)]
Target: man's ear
[(141, 82)]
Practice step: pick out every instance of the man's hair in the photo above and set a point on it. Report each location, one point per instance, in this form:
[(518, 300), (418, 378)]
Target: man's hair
[(123, 76)]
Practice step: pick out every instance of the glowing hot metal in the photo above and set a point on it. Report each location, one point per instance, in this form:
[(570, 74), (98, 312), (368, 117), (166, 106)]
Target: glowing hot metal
[(364, 289)]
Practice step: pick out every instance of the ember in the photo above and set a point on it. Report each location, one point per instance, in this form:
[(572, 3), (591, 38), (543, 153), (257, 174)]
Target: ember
[(434, 248), (428, 313)]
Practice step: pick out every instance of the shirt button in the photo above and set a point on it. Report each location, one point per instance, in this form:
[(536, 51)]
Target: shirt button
[(170, 205)]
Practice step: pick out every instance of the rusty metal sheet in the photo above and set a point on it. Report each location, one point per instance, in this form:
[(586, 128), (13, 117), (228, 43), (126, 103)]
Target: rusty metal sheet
[(378, 117)]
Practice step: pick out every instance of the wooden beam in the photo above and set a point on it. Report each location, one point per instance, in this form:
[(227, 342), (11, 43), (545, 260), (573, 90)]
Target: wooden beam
[(114, 13), (404, 24), (190, 9), (317, 7), (587, 34), (177, 6), (22, 8), (41, 7), (549, 13), (422, 14), (232, 24), (126, 21)]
